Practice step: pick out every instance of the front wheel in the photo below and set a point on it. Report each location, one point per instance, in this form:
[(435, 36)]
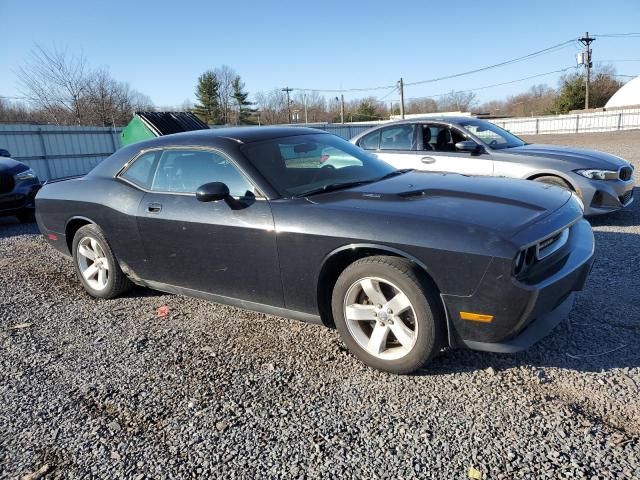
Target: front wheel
[(553, 180), (387, 314), (95, 264)]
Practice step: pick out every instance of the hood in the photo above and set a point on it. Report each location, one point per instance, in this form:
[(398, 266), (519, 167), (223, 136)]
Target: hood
[(502, 205), (578, 157), (9, 166)]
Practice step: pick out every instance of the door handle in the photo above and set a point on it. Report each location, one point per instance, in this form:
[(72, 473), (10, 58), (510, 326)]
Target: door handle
[(428, 160), (154, 207)]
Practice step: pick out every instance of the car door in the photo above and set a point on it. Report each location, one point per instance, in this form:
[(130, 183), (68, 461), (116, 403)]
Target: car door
[(439, 154), (227, 247), (396, 145)]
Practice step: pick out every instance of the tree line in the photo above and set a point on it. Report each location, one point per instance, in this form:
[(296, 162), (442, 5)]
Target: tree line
[(63, 89)]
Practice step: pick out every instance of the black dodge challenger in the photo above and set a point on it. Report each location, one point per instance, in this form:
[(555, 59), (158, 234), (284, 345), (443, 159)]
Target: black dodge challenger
[(402, 263)]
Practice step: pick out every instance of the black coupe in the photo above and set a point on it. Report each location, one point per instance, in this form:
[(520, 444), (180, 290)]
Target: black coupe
[(403, 263)]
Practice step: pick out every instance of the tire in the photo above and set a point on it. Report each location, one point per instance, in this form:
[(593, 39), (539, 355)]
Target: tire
[(107, 280), (26, 216), (420, 326), (552, 180)]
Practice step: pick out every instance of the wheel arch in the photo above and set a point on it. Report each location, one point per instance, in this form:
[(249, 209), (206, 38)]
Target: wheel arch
[(552, 173), (337, 260), (72, 226)]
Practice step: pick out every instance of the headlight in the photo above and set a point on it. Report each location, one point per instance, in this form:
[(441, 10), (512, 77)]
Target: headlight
[(26, 175), (599, 174)]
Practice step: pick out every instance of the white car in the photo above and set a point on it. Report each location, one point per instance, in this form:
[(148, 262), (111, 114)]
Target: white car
[(471, 146)]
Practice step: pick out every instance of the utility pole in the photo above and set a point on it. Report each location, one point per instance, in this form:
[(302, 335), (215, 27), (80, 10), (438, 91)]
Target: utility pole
[(342, 108), (287, 89), (401, 88), (306, 117), (586, 41)]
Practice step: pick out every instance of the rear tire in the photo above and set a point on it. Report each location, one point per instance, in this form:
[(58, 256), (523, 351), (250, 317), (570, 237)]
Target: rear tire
[(388, 314), (95, 264)]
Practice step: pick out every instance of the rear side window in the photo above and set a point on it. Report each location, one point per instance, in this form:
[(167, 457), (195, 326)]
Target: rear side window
[(142, 170), (183, 171), (400, 137), (371, 141)]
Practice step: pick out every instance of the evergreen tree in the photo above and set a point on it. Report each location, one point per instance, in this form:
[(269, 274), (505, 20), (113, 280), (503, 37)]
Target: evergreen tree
[(208, 108), (242, 99)]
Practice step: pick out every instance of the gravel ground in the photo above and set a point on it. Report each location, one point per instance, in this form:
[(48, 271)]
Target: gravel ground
[(108, 389)]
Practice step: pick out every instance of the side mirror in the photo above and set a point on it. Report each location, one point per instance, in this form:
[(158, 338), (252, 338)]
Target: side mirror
[(4, 153), (212, 192), (467, 146)]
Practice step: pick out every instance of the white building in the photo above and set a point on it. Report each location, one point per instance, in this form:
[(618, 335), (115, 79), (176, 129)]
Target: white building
[(627, 96)]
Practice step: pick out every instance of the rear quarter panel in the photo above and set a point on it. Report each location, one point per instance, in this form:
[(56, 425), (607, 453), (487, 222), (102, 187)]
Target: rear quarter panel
[(108, 203)]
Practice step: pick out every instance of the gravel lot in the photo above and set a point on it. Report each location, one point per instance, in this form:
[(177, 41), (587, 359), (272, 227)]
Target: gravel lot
[(109, 389)]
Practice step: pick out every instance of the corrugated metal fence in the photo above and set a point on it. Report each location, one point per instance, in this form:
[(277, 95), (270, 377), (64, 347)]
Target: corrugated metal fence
[(56, 151)]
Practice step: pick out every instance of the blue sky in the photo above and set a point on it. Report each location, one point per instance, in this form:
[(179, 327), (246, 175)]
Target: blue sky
[(161, 47)]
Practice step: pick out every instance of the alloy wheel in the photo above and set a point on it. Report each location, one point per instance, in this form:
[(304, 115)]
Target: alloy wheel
[(93, 263), (381, 318)]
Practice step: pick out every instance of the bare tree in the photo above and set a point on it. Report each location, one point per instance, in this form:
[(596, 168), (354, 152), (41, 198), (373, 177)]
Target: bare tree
[(457, 101), (55, 82), (66, 90)]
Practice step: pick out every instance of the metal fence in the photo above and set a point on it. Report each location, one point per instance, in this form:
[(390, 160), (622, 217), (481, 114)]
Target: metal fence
[(608, 121), (57, 151)]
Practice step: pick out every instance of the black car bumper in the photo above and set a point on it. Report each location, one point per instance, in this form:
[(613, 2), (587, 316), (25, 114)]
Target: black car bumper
[(18, 200), (522, 312)]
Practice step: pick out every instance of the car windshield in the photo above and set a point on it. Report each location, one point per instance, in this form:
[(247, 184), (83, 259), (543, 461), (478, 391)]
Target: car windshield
[(313, 163), (491, 135)]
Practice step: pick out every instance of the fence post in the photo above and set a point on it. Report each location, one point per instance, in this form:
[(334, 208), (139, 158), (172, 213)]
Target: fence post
[(537, 129), (577, 123), (45, 157), (619, 120)]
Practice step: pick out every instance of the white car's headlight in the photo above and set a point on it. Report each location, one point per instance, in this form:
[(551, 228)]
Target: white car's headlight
[(596, 174), (26, 175)]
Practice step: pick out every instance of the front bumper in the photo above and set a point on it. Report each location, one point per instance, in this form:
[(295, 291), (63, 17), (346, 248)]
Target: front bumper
[(604, 196), (523, 311), (21, 198)]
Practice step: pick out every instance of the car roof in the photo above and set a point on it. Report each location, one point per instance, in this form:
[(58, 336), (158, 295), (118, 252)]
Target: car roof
[(242, 134)]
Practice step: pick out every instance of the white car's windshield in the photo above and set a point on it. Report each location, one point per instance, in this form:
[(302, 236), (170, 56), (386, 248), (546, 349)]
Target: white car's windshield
[(491, 135)]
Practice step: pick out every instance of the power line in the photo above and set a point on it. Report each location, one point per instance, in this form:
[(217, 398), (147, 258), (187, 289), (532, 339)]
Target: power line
[(529, 56), (618, 35), (501, 64), (497, 84)]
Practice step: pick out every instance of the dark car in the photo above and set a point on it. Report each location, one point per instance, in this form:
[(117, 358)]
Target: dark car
[(18, 187), (403, 263)]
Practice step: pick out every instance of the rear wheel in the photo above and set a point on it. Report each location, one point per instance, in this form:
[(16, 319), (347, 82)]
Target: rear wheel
[(95, 264), (387, 314)]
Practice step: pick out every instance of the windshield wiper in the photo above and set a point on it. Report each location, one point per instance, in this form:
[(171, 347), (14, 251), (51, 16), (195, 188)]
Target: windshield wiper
[(333, 187), (395, 173)]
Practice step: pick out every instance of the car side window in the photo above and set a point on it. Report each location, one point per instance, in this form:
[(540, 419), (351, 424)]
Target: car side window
[(183, 171), (142, 169), (371, 141), (399, 137), (442, 138)]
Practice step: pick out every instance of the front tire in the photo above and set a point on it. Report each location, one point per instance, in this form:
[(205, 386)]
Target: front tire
[(95, 264), (552, 180), (388, 314)]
